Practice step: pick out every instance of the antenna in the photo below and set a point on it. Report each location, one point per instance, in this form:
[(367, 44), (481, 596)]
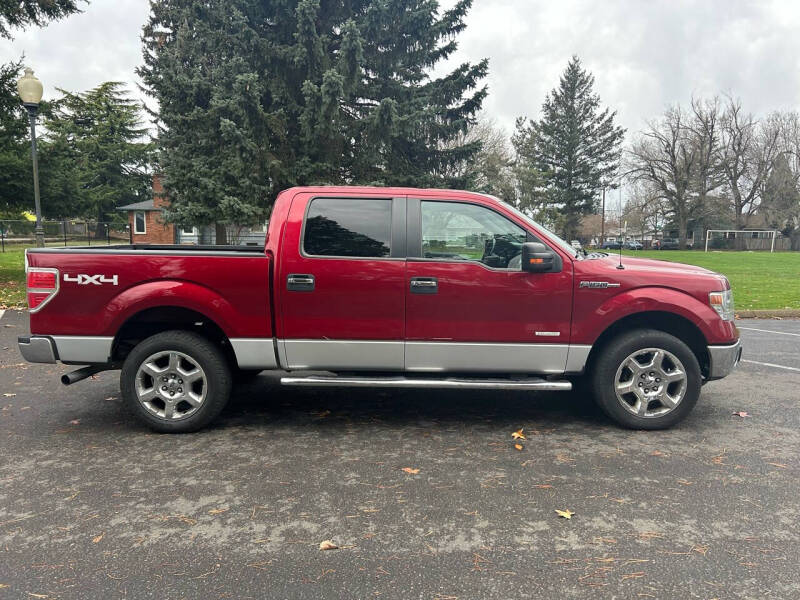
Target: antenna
[(623, 232)]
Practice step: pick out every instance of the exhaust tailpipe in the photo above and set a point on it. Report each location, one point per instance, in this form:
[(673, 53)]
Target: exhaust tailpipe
[(83, 373)]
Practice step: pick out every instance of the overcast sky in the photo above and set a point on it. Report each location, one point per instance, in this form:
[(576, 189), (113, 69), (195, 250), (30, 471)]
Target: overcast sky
[(645, 54)]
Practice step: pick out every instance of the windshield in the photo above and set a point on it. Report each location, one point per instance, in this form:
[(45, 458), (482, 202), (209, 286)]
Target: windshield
[(545, 231)]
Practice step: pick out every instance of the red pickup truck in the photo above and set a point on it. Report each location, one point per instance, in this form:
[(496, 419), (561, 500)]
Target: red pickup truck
[(392, 287)]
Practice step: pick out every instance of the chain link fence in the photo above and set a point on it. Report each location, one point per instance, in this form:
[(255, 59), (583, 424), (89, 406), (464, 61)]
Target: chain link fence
[(21, 234)]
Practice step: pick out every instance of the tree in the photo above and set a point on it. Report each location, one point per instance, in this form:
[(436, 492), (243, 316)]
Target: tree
[(22, 13), (16, 185), (98, 151), (575, 146), (257, 96), (675, 156), (746, 153), (491, 170)]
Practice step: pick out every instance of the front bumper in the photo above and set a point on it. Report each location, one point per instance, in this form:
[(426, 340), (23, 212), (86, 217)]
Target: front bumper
[(37, 349), (723, 359)]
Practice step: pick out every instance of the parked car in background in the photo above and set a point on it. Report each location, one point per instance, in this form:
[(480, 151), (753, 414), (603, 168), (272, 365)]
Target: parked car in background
[(576, 244), (611, 245), (633, 245), (672, 244), (382, 287)]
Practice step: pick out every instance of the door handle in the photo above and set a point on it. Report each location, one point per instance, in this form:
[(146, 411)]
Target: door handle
[(300, 283), (424, 285)]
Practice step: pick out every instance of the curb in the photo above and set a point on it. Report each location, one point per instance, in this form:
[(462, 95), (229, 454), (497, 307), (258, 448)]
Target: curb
[(782, 313)]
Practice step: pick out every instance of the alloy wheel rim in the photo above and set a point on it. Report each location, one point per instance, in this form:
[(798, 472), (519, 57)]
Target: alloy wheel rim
[(171, 385), (650, 382)]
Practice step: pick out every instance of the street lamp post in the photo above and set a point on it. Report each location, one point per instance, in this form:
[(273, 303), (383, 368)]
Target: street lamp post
[(30, 92)]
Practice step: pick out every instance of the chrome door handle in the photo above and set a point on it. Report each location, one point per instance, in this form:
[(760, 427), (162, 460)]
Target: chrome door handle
[(300, 283), (424, 285)]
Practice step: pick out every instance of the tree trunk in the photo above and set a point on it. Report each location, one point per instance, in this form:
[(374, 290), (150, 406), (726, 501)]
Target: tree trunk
[(221, 234), (683, 225)]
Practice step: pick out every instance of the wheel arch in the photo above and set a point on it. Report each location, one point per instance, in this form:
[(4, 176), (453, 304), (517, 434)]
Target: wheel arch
[(668, 322), (157, 319)]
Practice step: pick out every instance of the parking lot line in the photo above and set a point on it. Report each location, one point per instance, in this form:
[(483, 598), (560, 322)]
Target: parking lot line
[(768, 331), (755, 362), (2, 312)]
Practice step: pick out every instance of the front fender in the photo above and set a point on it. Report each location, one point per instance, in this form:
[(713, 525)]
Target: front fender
[(588, 326), (181, 294)]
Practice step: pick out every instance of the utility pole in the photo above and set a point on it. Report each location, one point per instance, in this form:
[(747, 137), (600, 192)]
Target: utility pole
[(603, 219)]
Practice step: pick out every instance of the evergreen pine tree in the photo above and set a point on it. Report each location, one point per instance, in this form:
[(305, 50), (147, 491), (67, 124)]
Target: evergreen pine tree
[(96, 153), (575, 147), (258, 96)]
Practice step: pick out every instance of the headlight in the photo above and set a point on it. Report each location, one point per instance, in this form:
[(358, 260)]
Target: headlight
[(722, 302)]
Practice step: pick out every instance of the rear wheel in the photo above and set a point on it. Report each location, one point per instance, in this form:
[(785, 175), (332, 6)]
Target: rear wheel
[(646, 379), (175, 382)]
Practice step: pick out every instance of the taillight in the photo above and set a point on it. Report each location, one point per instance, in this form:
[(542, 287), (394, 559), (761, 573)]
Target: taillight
[(42, 286)]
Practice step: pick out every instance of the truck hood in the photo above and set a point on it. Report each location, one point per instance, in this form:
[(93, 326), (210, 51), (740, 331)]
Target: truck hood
[(654, 265)]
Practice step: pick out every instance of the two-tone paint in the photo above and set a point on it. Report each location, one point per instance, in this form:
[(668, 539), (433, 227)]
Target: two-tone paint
[(363, 314)]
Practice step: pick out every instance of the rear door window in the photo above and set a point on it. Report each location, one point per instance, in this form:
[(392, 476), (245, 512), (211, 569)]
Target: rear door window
[(360, 228)]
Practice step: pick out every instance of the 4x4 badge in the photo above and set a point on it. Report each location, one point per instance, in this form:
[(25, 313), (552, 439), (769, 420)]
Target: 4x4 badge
[(83, 279), (598, 284)]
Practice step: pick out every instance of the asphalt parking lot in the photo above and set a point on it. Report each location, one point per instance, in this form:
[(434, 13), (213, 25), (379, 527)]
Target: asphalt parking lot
[(93, 505)]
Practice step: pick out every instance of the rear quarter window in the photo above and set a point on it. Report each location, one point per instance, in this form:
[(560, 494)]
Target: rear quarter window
[(360, 228)]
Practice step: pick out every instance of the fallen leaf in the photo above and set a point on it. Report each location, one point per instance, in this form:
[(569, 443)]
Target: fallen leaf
[(327, 545), (410, 471), (566, 514), (543, 486), (740, 413), (218, 511), (657, 453), (518, 435), (518, 446), (96, 540), (31, 593), (75, 422)]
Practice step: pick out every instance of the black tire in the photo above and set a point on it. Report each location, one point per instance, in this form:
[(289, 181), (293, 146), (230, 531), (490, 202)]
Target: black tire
[(603, 378), (215, 384)]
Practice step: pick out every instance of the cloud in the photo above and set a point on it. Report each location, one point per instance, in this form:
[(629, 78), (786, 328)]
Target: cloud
[(645, 55)]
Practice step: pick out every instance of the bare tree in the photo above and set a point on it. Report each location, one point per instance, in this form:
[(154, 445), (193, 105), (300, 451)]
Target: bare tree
[(491, 171), (746, 152), (675, 156)]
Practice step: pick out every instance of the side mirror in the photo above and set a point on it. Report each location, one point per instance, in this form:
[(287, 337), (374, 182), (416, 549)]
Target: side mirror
[(537, 258)]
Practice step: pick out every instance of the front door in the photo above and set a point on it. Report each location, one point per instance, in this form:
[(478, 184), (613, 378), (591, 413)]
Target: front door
[(469, 306), (342, 281)]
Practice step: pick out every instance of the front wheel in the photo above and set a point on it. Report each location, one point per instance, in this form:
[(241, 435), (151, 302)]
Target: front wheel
[(175, 382), (646, 379)]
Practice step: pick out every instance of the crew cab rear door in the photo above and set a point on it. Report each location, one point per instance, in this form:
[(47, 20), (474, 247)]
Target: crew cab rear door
[(341, 283), (469, 305)]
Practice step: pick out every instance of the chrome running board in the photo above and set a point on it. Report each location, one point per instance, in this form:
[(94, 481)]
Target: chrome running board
[(529, 383)]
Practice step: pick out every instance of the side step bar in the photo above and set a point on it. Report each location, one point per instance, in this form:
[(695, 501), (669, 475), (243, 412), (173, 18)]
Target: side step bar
[(529, 383)]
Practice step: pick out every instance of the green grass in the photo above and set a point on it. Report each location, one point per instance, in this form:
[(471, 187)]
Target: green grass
[(12, 278), (760, 280)]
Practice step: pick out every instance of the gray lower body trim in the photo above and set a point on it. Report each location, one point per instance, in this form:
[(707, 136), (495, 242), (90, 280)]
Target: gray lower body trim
[(343, 355), (723, 359), (83, 349), (37, 349), (577, 357), (254, 353), (486, 358), (533, 383)]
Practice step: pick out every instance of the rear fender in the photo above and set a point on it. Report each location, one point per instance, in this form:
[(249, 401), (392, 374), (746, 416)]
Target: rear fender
[(169, 293)]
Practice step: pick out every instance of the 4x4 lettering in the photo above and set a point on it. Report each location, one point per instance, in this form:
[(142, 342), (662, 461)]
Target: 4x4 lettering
[(83, 279)]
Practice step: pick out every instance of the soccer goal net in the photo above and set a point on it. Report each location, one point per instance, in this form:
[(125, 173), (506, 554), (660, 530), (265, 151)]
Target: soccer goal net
[(735, 239)]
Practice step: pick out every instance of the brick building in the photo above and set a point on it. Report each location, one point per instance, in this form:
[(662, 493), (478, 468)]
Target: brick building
[(146, 219)]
